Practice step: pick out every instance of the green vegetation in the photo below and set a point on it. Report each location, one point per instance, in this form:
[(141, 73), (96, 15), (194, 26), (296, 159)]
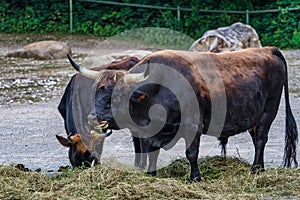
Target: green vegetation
[(31, 16), (224, 179)]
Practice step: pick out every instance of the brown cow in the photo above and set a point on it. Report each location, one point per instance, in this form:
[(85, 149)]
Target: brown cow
[(243, 87)]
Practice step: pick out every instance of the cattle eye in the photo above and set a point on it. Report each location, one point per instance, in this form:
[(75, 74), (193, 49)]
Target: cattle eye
[(139, 96)]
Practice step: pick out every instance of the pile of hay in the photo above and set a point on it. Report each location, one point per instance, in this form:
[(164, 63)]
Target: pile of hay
[(224, 179)]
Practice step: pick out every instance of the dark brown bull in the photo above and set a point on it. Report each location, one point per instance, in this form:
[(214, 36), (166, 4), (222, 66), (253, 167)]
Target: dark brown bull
[(252, 81)]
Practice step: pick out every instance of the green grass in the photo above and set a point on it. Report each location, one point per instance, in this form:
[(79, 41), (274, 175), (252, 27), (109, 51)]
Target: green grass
[(224, 179), (156, 38)]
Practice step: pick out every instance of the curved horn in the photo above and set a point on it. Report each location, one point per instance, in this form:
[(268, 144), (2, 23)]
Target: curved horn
[(108, 133), (138, 77), (84, 71)]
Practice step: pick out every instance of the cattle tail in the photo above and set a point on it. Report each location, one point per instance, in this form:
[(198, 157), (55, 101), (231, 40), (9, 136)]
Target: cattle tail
[(291, 132)]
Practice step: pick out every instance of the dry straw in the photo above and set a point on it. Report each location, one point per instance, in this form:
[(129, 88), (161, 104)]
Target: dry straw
[(223, 179)]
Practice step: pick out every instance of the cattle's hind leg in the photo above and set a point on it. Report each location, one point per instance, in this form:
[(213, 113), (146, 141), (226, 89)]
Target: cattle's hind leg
[(259, 134), (259, 138), (223, 143)]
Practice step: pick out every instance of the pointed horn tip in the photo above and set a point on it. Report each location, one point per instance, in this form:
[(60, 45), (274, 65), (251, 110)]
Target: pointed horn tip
[(138, 77), (69, 137), (69, 58), (77, 67), (91, 74), (108, 134)]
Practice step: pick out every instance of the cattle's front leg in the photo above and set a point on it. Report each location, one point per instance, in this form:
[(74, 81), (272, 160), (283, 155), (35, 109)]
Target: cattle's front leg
[(192, 152), (140, 150), (153, 156), (143, 156)]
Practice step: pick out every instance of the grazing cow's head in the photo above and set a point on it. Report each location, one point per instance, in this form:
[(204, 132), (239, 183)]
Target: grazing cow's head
[(107, 82), (80, 153)]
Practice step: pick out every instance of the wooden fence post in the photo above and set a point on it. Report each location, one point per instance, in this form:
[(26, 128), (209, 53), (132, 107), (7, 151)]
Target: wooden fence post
[(71, 16), (178, 13), (247, 16)]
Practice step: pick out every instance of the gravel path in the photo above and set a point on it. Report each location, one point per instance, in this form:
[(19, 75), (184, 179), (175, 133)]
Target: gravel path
[(28, 137), (28, 127)]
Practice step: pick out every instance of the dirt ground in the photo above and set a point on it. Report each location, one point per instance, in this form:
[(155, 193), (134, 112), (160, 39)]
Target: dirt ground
[(30, 91)]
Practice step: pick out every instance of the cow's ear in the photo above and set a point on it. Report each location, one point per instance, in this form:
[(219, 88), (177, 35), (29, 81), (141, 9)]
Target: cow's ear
[(63, 141), (139, 97)]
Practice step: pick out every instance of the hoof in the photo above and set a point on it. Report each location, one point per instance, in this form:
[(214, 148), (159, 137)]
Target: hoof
[(197, 179), (141, 167), (153, 173), (255, 169)]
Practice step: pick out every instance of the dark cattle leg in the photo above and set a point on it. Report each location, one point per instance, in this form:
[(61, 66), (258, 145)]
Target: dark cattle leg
[(223, 143), (192, 152), (153, 156), (260, 133), (252, 132), (140, 150), (260, 138), (137, 151), (144, 153)]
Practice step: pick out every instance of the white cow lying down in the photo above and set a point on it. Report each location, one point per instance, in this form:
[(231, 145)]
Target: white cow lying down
[(231, 38)]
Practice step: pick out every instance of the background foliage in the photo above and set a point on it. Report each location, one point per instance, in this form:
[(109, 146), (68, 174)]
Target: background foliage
[(281, 29)]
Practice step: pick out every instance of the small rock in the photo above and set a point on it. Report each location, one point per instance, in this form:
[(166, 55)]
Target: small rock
[(38, 170), (29, 91), (96, 60), (16, 82), (63, 168), (22, 167)]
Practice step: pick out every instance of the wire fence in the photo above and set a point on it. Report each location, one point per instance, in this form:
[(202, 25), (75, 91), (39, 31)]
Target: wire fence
[(179, 9)]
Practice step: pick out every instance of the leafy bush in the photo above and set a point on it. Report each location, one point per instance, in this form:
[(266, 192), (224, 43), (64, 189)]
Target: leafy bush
[(32, 16), (296, 38)]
